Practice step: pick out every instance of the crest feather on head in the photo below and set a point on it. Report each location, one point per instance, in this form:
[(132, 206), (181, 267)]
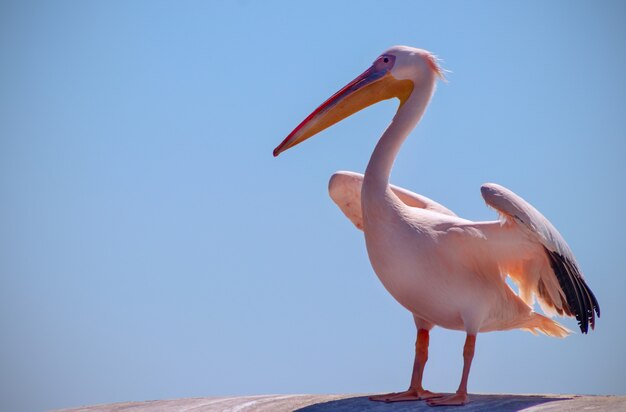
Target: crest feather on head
[(433, 62)]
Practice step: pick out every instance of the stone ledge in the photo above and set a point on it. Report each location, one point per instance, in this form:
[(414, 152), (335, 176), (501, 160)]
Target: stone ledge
[(354, 403)]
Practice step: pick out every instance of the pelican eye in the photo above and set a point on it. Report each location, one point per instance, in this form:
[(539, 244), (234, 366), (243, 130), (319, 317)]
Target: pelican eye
[(386, 59)]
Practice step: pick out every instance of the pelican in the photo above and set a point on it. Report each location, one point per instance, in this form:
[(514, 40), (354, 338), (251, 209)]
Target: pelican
[(446, 270)]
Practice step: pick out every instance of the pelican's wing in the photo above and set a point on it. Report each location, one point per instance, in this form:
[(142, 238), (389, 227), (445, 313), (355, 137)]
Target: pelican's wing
[(345, 190), (554, 275)]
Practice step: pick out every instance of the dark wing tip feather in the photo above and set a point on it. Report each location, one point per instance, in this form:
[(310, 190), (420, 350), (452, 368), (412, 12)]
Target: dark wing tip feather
[(579, 296)]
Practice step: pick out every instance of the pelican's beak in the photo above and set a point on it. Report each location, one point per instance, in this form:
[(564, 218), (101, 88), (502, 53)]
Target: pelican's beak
[(375, 84)]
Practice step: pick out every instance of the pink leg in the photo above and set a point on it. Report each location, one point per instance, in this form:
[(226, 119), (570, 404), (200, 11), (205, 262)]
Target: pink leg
[(415, 391), (460, 397)]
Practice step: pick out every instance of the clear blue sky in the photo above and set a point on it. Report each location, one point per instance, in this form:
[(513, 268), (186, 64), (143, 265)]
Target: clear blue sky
[(151, 247)]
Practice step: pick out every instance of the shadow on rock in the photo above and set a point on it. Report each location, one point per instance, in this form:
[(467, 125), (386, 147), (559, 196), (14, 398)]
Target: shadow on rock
[(506, 403)]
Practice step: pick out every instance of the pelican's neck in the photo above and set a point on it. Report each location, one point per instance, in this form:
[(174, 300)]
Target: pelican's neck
[(378, 170)]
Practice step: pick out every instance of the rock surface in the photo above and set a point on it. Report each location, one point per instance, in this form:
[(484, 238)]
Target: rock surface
[(354, 403)]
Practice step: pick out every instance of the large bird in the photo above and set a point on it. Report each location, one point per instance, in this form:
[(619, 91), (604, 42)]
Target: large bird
[(446, 270)]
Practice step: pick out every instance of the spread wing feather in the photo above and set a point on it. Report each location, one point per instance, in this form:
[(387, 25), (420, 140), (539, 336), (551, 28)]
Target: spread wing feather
[(559, 284), (345, 190)]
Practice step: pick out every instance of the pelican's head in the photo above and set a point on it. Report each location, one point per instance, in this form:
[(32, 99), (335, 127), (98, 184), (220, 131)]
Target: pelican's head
[(395, 73)]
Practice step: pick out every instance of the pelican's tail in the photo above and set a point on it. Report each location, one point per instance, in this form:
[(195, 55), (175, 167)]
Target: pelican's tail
[(547, 326)]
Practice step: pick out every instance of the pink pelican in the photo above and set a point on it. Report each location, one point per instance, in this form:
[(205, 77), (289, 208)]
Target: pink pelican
[(446, 270)]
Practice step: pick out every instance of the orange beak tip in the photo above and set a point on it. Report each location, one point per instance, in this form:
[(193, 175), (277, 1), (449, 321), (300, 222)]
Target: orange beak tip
[(277, 151)]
